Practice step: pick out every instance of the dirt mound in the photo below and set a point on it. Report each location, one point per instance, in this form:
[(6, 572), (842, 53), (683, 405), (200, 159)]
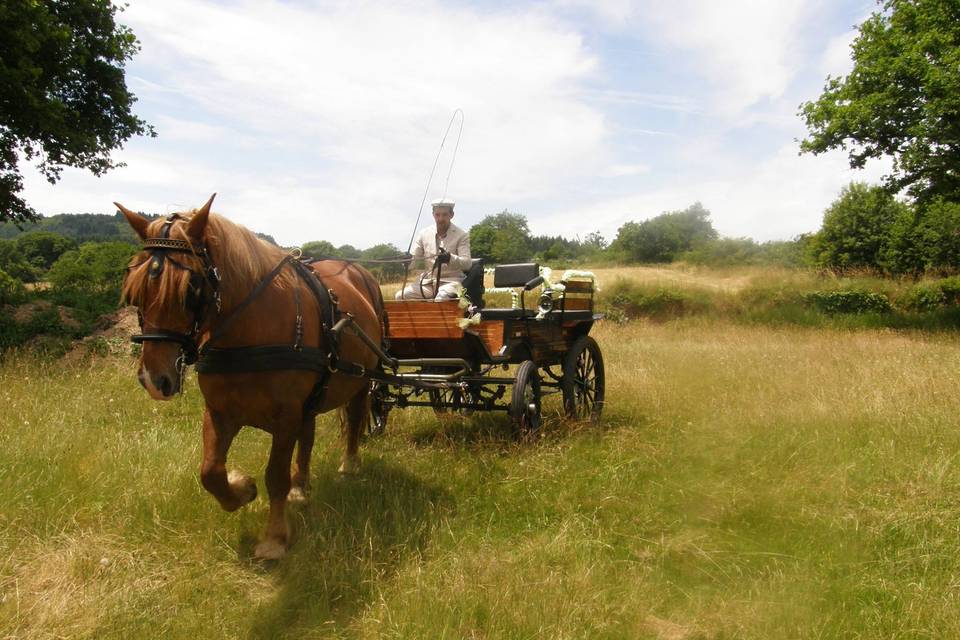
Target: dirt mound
[(111, 336), (24, 313)]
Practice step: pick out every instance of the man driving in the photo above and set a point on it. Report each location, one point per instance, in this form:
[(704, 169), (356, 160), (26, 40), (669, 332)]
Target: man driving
[(445, 244)]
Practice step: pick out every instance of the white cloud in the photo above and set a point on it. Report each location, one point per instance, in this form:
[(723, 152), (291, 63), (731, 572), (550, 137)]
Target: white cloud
[(777, 198), (321, 120), (348, 101), (742, 46), (836, 60)]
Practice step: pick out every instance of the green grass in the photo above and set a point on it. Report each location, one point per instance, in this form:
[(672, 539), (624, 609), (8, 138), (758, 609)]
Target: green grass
[(747, 482)]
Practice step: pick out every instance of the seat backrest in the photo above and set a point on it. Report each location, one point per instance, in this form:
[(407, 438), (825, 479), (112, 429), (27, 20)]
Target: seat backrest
[(473, 282), (515, 275)]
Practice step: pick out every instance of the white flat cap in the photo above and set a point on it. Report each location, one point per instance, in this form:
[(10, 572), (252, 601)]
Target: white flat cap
[(443, 202)]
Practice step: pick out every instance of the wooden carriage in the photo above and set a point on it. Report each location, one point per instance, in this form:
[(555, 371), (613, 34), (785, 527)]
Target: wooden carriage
[(447, 354)]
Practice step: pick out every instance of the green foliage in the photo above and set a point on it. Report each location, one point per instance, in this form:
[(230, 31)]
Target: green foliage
[(501, 238), (348, 251), (80, 227), (11, 289), (386, 270), (927, 241), (13, 262), (266, 237), (626, 299), (856, 228), (931, 296), (42, 248), (63, 96), (724, 252), (902, 98), (320, 249), (94, 269), (663, 238), (850, 301)]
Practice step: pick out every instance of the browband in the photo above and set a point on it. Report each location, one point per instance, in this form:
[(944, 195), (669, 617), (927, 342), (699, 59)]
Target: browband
[(171, 244)]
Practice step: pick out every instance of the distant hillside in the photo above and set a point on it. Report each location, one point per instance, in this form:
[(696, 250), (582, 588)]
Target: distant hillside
[(82, 227), (87, 227)]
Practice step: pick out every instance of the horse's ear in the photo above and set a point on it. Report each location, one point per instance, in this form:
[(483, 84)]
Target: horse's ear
[(137, 221), (199, 222)]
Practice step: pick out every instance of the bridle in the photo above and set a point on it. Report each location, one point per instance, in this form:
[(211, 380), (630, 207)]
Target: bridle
[(204, 289)]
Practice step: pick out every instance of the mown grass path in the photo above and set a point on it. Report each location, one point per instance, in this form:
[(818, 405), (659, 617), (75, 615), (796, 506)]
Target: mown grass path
[(747, 482)]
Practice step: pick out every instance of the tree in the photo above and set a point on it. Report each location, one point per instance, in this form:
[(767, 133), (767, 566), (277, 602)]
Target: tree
[(383, 270), (501, 238), (348, 251), (924, 240), (63, 97), (856, 229), (595, 241), (42, 248), (94, 268), (13, 262), (320, 249), (663, 238), (902, 99), (11, 289)]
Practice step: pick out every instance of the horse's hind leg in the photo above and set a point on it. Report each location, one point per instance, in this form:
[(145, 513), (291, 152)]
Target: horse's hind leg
[(355, 418), (274, 543), (301, 471), (231, 491)]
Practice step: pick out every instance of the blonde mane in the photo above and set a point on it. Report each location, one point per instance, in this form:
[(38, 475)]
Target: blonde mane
[(241, 258)]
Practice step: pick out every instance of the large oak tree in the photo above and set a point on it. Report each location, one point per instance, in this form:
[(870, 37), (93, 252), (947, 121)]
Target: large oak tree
[(63, 96), (902, 98)]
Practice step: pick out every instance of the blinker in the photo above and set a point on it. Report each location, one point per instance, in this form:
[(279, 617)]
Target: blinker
[(156, 266)]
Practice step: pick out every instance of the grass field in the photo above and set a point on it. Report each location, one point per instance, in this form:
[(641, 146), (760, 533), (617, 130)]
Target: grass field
[(747, 482)]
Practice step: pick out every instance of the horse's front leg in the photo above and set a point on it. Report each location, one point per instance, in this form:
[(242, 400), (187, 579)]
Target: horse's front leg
[(234, 490), (274, 543)]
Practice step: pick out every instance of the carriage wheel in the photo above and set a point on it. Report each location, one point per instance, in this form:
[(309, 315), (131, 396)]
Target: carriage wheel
[(525, 402), (582, 383), (379, 408)]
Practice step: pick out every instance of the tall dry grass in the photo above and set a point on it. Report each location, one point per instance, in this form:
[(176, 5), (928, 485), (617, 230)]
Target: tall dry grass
[(747, 482)]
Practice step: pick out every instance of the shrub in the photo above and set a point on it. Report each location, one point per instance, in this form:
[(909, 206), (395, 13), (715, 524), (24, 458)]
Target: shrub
[(849, 301), (631, 300), (930, 296), (96, 267), (12, 290)]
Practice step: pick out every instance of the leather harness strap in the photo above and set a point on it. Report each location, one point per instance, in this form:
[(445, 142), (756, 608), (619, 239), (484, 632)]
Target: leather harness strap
[(216, 360)]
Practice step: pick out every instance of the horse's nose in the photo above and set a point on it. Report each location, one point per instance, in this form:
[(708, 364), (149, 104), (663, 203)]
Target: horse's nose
[(164, 384), (142, 379)]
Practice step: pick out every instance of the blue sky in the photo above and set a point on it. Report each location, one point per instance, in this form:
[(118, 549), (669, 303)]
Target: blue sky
[(320, 120)]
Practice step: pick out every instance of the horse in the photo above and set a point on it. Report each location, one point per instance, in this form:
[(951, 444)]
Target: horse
[(265, 342)]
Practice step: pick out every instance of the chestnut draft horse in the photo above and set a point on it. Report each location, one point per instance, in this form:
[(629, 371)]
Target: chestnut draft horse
[(263, 338)]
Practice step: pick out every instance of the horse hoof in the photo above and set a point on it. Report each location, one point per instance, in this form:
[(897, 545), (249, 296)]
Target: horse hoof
[(296, 495), (350, 466), (270, 550), (244, 487)]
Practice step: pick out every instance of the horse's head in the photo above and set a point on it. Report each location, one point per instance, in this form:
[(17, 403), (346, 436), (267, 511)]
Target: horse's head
[(172, 282)]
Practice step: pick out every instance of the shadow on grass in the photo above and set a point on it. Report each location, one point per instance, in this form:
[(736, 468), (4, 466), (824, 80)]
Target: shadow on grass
[(349, 541), (494, 431)]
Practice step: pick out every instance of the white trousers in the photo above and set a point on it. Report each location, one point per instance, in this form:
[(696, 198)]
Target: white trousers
[(448, 291)]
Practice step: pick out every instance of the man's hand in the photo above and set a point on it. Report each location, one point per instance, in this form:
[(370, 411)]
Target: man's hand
[(443, 257)]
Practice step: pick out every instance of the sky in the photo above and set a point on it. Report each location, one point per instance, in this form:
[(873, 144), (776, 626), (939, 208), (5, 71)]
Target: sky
[(322, 120)]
